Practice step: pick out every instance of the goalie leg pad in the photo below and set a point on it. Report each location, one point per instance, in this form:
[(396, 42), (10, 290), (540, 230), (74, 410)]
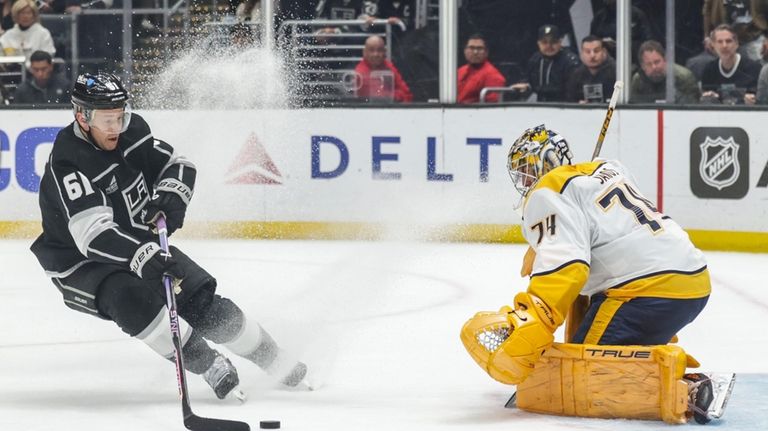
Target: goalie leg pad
[(631, 382)]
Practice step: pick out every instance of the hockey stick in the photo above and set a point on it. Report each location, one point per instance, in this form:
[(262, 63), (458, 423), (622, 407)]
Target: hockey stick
[(191, 420), (579, 307), (607, 121)]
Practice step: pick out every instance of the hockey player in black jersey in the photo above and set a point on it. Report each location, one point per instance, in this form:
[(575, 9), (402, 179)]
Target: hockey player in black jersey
[(105, 183)]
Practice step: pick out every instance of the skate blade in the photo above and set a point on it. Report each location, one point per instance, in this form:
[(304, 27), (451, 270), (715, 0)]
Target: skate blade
[(238, 395), (723, 384)]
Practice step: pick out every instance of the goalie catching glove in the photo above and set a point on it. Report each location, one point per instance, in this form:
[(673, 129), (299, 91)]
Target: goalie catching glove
[(508, 343)]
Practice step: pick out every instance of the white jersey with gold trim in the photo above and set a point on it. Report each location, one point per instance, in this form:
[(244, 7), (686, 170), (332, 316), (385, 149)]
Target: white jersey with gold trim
[(593, 213)]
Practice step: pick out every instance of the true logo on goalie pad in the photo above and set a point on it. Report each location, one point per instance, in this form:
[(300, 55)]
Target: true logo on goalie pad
[(601, 353)]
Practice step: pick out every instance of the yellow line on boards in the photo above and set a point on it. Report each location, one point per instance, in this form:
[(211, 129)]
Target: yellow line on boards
[(487, 233)]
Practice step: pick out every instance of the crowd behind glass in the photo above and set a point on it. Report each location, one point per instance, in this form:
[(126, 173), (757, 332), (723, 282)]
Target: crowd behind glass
[(511, 50)]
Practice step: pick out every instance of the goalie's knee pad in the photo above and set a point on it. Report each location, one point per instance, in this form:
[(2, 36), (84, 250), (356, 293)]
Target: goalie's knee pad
[(632, 382)]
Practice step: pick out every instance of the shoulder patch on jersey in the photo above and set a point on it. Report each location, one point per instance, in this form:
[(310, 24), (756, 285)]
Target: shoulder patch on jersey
[(558, 179)]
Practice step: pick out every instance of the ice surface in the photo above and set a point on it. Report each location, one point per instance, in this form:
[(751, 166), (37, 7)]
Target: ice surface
[(377, 322)]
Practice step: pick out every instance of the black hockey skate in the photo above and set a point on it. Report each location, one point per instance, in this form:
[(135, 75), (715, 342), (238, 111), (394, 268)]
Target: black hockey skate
[(708, 395), (223, 379)]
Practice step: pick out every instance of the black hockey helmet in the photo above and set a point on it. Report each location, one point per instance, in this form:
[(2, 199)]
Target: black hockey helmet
[(99, 91)]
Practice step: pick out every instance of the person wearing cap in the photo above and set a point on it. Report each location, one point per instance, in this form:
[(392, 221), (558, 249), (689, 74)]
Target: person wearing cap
[(478, 73), (592, 82), (548, 70)]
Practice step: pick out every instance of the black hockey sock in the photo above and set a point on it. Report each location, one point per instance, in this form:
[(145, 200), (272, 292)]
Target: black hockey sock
[(217, 319), (198, 355)]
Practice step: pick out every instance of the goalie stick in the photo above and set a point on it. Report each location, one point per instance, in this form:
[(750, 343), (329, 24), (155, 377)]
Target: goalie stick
[(608, 115), (191, 420), (579, 307)]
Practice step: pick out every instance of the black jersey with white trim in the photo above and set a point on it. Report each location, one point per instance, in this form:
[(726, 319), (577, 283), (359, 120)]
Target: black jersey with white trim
[(91, 199)]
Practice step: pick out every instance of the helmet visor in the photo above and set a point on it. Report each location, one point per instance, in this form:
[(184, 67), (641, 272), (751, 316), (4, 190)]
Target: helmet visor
[(111, 120)]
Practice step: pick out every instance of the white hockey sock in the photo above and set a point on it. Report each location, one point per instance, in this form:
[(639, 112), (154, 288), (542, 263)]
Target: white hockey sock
[(255, 344), (157, 335)]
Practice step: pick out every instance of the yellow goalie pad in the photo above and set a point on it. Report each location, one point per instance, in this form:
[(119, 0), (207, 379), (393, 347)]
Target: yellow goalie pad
[(631, 382)]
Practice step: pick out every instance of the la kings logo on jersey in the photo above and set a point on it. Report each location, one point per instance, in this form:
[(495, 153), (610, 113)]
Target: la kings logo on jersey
[(719, 162), (136, 195)]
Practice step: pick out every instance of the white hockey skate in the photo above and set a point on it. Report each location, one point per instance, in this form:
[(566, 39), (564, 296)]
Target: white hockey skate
[(222, 378), (708, 394), (278, 363)]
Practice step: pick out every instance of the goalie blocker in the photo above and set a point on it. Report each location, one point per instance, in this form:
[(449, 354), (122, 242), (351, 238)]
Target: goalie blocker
[(599, 381)]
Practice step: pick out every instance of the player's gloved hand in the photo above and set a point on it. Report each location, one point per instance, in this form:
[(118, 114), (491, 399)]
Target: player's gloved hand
[(151, 263), (168, 204)]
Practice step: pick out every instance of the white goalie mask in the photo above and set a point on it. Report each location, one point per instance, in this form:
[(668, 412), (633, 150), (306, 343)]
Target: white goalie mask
[(537, 151)]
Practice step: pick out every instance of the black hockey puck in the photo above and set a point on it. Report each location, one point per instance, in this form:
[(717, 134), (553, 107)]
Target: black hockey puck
[(269, 425)]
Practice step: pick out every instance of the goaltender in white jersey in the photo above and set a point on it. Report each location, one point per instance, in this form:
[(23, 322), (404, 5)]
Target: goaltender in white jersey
[(592, 233)]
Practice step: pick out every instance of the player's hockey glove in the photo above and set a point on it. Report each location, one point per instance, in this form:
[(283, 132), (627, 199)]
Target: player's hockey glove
[(169, 204), (150, 263)]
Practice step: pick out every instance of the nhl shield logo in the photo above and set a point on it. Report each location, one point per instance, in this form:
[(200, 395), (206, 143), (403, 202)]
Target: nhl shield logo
[(719, 165)]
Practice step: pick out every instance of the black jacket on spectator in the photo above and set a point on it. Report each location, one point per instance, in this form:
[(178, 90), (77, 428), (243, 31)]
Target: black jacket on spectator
[(548, 76), (598, 86), (743, 78), (403, 9), (345, 9), (603, 25), (57, 91)]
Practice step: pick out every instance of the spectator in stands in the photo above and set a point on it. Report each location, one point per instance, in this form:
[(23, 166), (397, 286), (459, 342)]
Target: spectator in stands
[(697, 63), (592, 82), (762, 86), (558, 13), (548, 70), (7, 20), (46, 86), (248, 11), (649, 84), (344, 10), (377, 78), (397, 12), (604, 26), (241, 36), (28, 35), (732, 78), (746, 17), (4, 99), (478, 73)]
